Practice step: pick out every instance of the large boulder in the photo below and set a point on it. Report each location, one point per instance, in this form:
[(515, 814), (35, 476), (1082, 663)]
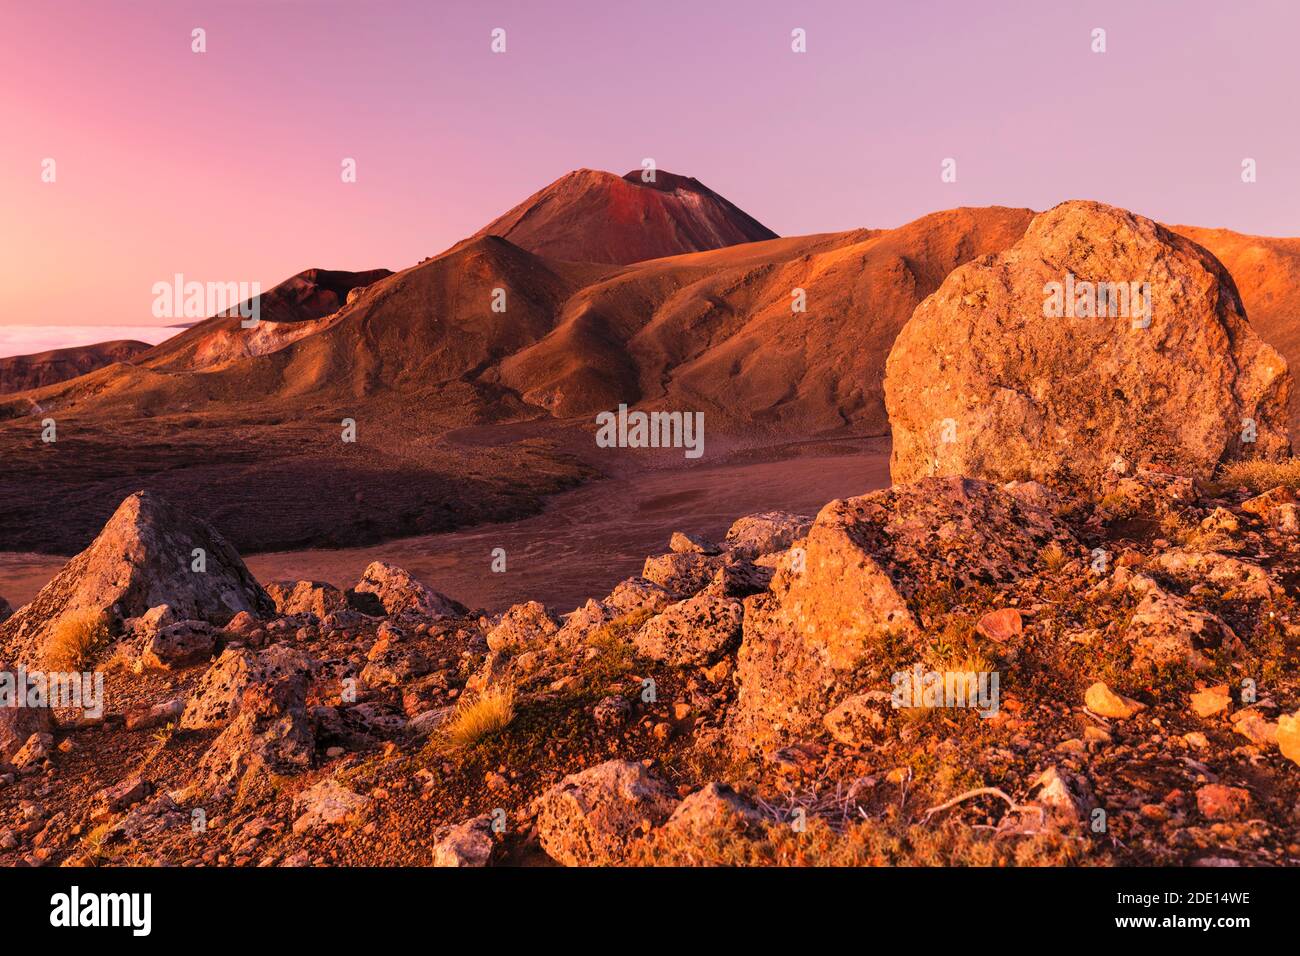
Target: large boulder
[(864, 573), (590, 818), (993, 378), (145, 556)]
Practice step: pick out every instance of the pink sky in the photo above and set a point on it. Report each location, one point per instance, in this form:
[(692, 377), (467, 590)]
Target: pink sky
[(225, 166)]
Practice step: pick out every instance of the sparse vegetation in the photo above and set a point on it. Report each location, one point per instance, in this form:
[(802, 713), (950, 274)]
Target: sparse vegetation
[(486, 715), (1053, 557), (77, 637), (1260, 476)]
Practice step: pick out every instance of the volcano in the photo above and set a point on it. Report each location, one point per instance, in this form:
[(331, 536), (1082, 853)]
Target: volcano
[(593, 216)]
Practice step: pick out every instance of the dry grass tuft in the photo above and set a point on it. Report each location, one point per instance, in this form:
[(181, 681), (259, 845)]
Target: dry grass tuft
[(1261, 476), (76, 638), (487, 714), (1053, 557)]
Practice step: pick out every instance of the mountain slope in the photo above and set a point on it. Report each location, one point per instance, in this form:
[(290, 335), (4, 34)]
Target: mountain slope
[(21, 372), (1266, 271)]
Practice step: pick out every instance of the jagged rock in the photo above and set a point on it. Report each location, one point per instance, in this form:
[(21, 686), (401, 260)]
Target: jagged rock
[(216, 697), (612, 712), (34, 751), (740, 578), (1146, 491), (766, 533), (398, 592), (683, 543), (589, 818), (521, 627), (1221, 519), (1237, 579), (123, 794), (427, 721), (1262, 504), (306, 597), (271, 734), (465, 844), (636, 595), (681, 575), (142, 558), (148, 819), (981, 382), (1104, 702), (1285, 518), (863, 569), (186, 642), (696, 631), (329, 804), (148, 624), (582, 623)]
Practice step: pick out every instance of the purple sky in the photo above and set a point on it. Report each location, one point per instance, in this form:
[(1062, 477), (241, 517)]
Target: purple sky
[(225, 166)]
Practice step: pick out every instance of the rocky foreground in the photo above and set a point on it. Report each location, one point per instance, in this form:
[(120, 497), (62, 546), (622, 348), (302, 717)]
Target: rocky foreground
[(735, 703), (1085, 655)]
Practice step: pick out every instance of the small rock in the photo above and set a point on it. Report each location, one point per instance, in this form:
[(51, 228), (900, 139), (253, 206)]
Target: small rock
[(1219, 802), (1211, 701), (329, 803), (1104, 702), (1001, 625)]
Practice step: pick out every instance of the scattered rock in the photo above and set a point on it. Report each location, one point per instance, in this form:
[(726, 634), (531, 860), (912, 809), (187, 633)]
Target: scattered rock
[(522, 627), (465, 844), (1001, 625), (1288, 736), (589, 818), (1252, 725), (176, 645), (1104, 702), (306, 597), (771, 531), (683, 543), (863, 568), (329, 804), (398, 593), (857, 721), (1219, 802), (1211, 701)]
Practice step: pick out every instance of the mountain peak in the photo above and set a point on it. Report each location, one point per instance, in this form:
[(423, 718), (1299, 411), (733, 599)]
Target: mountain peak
[(589, 215)]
